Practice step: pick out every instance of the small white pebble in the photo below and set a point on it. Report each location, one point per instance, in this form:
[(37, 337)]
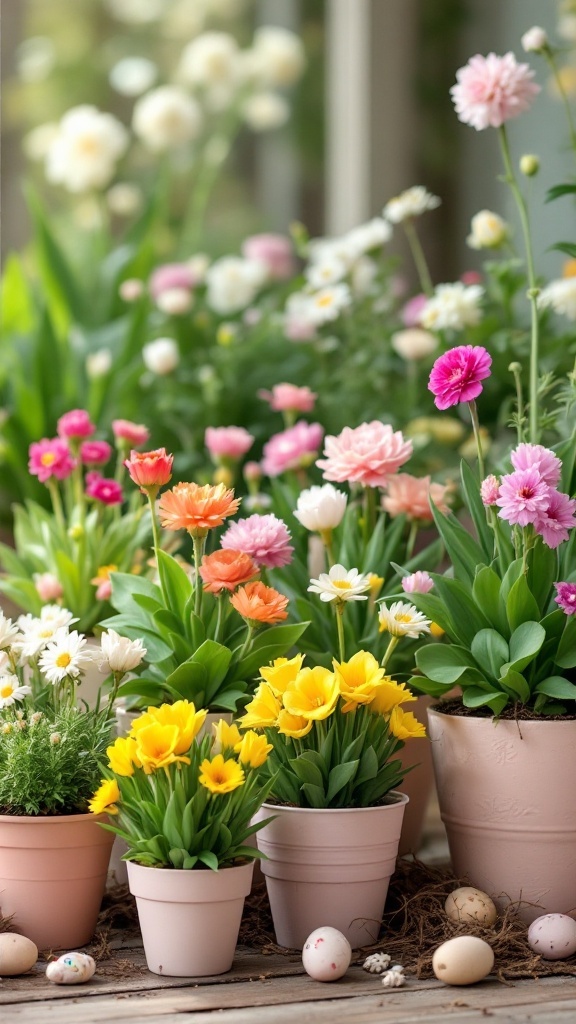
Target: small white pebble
[(394, 978), (377, 963)]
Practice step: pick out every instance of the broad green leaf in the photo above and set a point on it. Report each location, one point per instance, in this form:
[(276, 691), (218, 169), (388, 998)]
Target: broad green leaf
[(486, 591), (560, 190), (339, 777), (465, 614), (490, 650), (521, 605), (176, 585), (542, 571), (477, 510), (557, 686), (307, 772), (566, 654), (464, 552), (494, 699), (525, 643), (516, 682), (444, 663)]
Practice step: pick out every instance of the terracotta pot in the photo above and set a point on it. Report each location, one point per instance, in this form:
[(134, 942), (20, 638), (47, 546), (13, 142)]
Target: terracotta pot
[(329, 867), (52, 876), (418, 784), (507, 794), (189, 919)]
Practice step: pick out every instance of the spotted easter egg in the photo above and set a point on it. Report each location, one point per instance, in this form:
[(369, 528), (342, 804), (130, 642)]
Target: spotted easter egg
[(463, 960), (326, 954), (553, 936), (71, 969), (469, 904)]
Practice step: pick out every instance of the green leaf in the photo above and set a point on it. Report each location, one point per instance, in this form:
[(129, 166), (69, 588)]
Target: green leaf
[(444, 663), (521, 605), (494, 699), (525, 643), (464, 552), (557, 686), (314, 795), (339, 777), (516, 682), (306, 771), (176, 585), (568, 247), (466, 616), (566, 654), (560, 190), (209, 859), (490, 650), (477, 510)]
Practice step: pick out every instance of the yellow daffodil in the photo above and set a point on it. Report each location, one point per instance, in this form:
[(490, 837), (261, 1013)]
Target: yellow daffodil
[(253, 749), (313, 694), (388, 695), (358, 678), (181, 714), (156, 746), (262, 711), (105, 798), (281, 673), (220, 776), (376, 583), (226, 736), (436, 630), (293, 725), (122, 756), (404, 725)]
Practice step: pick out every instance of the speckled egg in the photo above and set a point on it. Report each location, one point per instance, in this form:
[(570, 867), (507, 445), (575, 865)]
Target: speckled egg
[(470, 904), (553, 936), (463, 960), (326, 954), (17, 954)]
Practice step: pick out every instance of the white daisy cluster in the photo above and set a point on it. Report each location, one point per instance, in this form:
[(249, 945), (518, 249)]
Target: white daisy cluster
[(409, 204), (560, 296), (453, 307)]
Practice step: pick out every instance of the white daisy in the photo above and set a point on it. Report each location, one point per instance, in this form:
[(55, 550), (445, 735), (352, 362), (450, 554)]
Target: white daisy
[(411, 203), (8, 632), (453, 306), (328, 303), (119, 653), (65, 657), (561, 296), (402, 619), (35, 635), (56, 615), (340, 584), (327, 271), (11, 691)]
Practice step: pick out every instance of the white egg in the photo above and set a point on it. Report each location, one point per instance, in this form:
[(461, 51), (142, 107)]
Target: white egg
[(469, 904), (71, 969), (553, 936), (17, 954), (326, 954), (463, 960)]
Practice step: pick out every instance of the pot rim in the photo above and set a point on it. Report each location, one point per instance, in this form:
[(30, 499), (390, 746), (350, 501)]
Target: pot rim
[(401, 798), (48, 819), (524, 723), (188, 872)]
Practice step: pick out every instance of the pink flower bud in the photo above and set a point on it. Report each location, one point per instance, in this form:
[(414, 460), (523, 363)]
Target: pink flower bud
[(75, 424), (133, 433), (150, 470), (489, 489), (108, 492), (95, 453), (48, 586)]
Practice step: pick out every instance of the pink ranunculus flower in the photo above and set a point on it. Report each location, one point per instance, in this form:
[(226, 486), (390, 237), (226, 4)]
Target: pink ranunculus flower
[(75, 424), (293, 448), (150, 470), (471, 277), (456, 375), (48, 587), (523, 496), (130, 433), (490, 490), (170, 276), (265, 538), (252, 472), (417, 583), (275, 252), (411, 312), (50, 457), (548, 465), (491, 90), (108, 492), (95, 453), (411, 496), (227, 442), (366, 455), (289, 398), (555, 521), (566, 597)]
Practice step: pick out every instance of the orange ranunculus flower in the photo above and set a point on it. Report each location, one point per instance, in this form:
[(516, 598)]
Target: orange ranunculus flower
[(226, 569), (259, 603), (195, 508), (150, 470)]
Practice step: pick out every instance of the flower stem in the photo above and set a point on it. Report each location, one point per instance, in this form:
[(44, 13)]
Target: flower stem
[(155, 528), (369, 512), (549, 55), (418, 257), (56, 502), (247, 641), (515, 369), (389, 650), (199, 544), (340, 606), (476, 427), (414, 527)]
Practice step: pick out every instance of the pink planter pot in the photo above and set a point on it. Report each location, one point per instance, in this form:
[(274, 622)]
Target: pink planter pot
[(507, 795), (52, 876), (329, 867), (189, 919), (418, 784)]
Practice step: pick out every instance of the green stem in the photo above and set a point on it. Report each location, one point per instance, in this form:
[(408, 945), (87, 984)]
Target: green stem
[(532, 285), (340, 625), (247, 642), (219, 606), (515, 369), (56, 502), (369, 512), (155, 527), (418, 257), (476, 427), (548, 54), (414, 527), (389, 650), (199, 545)]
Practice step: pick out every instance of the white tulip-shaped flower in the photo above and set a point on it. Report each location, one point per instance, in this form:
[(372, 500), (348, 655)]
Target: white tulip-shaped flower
[(161, 356), (340, 584), (321, 508), (119, 653)]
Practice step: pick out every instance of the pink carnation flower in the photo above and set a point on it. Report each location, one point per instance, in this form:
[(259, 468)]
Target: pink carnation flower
[(75, 424), (274, 252), (170, 276), (548, 465), (523, 496), (554, 522), (566, 597), (456, 375), (50, 457), (367, 454), (48, 587), (227, 442), (265, 538), (292, 448), (289, 398), (411, 313), (411, 496), (252, 472), (418, 583), (132, 433), (95, 453), (489, 490), (491, 90), (109, 492)]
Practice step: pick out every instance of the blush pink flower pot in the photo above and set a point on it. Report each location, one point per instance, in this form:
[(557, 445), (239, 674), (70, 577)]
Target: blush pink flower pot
[(507, 795), (189, 919), (52, 876), (417, 784), (329, 867)]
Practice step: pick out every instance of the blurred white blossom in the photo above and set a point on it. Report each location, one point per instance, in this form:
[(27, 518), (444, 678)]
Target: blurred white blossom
[(264, 111), (277, 57), (233, 283), (83, 154), (161, 356), (166, 118), (132, 76)]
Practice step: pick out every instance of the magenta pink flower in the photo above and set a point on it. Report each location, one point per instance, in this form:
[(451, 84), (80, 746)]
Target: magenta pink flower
[(274, 252), (566, 597), (289, 398), (169, 276), (554, 522), (489, 490), (265, 538), (50, 457), (412, 311), (131, 433), (456, 375), (227, 442), (293, 448), (95, 453), (366, 455), (491, 90), (109, 492), (471, 277), (548, 465), (418, 583), (523, 496), (411, 496), (75, 424)]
